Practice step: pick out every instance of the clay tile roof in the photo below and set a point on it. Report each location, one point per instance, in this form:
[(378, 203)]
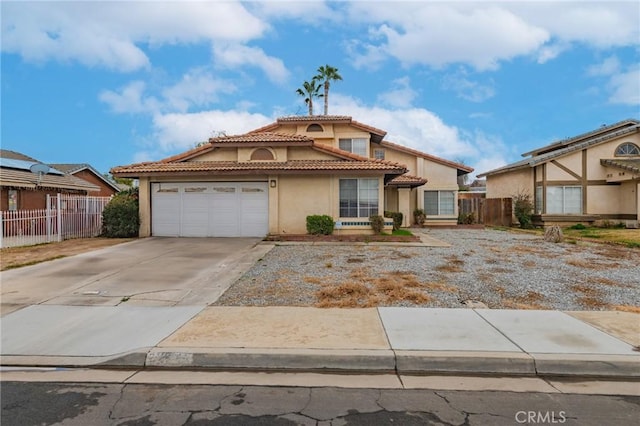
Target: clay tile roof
[(632, 165), (379, 133), (253, 167), (351, 156), (313, 118), (262, 137), (407, 180)]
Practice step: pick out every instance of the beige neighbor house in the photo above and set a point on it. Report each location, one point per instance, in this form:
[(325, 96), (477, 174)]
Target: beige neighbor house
[(588, 178), (269, 180)]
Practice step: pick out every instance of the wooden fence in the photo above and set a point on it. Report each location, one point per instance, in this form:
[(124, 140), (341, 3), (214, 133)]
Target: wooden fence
[(488, 211)]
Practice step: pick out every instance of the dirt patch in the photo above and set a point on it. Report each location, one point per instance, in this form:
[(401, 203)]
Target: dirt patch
[(15, 257)]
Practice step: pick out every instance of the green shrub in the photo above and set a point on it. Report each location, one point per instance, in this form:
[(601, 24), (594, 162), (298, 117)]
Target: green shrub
[(320, 224), (377, 223), (397, 219), (523, 209), (577, 226), (419, 217), (466, 218), (120, 217)]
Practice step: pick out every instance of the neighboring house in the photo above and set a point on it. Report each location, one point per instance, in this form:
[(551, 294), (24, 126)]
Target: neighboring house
[(587, 178), (21, 189), (89, 174), (269, 180)]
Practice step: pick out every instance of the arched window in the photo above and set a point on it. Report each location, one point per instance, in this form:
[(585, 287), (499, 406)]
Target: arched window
[(262, 154), (314, 128), (627, 149)]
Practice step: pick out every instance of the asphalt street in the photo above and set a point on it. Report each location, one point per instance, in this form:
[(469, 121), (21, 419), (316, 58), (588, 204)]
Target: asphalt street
[(26, 403)]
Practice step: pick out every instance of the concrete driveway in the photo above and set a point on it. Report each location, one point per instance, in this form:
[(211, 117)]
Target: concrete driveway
[(149, 272)]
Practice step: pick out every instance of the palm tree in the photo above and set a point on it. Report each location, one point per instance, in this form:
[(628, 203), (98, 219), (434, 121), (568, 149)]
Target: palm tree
[(326, 74), (310, 90)]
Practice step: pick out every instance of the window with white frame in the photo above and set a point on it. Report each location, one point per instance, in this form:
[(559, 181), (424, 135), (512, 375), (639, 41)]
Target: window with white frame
[(627, 149), (538, 207), (378, 154), (564, 200), (357, 145), (439, 203), (358, 197)]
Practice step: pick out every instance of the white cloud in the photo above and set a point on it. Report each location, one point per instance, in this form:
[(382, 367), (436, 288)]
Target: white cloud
[(485, 34), (130, 99), (109, 34), (469, 90), (176, 132), (441, 34), (623, 83), (596, 23), (625, 87), (423, 130), (237, 55), (609, 66), (197, 88), (310, 12), (401, 94)]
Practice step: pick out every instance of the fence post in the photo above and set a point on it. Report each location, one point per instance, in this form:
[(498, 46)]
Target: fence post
[(59, 216), (48, 218)]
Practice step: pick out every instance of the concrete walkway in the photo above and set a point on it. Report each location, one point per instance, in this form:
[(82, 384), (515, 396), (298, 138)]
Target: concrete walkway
[(379, 340)]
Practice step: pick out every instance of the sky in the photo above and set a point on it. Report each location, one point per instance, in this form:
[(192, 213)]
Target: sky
[(115, 82)]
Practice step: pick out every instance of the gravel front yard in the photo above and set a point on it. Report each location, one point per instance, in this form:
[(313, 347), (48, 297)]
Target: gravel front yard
[(498, 268)]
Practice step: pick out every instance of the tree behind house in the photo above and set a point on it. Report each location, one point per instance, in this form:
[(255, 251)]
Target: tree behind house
[(310, 90), (326, 74)]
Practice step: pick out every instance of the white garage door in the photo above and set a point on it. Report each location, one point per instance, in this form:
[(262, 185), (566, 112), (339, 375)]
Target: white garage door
[(210, 209)]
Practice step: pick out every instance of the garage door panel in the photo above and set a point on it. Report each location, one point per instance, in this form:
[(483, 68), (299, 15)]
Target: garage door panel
[(165, 205), (195, 213), (214, 209)]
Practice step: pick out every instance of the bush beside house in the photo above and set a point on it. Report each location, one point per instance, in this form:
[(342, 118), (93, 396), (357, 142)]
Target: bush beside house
[(120, 217)]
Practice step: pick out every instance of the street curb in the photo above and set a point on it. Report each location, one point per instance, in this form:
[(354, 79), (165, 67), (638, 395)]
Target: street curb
[(379, 361), (499, 363), (376, 361), (618, 366), (133, 359)]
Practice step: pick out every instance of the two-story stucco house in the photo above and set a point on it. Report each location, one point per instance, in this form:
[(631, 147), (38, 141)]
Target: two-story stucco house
[(591, 177), (269, 180)]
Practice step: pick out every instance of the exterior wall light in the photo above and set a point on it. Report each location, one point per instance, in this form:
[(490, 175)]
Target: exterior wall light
[(272, 183)]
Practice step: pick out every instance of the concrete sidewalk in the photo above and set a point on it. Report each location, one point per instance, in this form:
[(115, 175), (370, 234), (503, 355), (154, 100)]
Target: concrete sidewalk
[(379, 340)]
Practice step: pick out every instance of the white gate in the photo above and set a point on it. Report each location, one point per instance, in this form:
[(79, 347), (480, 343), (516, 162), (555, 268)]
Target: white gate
[(66, 217)]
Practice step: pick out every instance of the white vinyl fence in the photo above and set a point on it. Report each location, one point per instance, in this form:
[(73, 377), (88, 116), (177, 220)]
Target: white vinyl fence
[(66, 217)]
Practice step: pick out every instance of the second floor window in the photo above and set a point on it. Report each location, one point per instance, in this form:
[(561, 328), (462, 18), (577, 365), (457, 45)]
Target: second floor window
[(356, 146)]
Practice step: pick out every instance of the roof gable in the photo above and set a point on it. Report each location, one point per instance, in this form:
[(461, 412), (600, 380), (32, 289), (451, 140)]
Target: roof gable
[(604, 130), (578, 143), (376, 134), (72, 169), (461, 168)]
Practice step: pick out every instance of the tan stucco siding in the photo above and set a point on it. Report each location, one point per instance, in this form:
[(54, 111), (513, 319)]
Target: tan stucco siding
[(218, 154), (327, 132), (407, 160), (506, 185), (144, 207), (306, 153), (603, 199), (301, 196), (440, 176), (572, 162), (629, 197), (391, 199)]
